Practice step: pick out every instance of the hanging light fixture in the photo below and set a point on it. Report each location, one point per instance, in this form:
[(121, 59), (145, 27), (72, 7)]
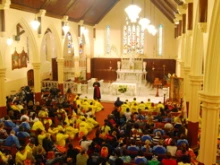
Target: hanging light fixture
[(35, 24), (9, 41), (144, 22), (133, 12)]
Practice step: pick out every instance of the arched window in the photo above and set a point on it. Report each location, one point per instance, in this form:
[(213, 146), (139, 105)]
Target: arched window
[(133, 39), (160, 40), (108, 41)]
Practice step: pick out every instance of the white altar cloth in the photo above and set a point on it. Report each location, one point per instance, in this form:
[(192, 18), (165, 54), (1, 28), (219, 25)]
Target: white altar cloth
[(131, 88)]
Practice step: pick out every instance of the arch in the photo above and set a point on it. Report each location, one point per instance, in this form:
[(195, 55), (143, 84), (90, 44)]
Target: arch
[(33, 43), (212, 64), (57, 39), (34, 55)]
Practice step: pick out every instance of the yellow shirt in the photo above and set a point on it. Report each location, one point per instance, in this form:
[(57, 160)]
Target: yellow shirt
[(20, 158), (124, 107), (61, 139), (38, 125), (41, 138), (43, 113), (3, 157), (141, 106)]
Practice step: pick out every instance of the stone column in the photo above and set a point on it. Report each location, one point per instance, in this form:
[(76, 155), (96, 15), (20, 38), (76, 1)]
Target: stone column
[(196, 80), (3, 110), (60, 63), (186, 90), (194, 109), (210, 124), (37, 81)]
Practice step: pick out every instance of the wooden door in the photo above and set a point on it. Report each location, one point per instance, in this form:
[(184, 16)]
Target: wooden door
[(54, 69), (30, 77)]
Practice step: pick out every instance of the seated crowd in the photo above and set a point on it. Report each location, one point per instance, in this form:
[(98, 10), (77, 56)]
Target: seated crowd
[(134, 133)]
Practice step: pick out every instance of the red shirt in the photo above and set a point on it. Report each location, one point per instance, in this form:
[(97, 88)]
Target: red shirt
[(169, 162)]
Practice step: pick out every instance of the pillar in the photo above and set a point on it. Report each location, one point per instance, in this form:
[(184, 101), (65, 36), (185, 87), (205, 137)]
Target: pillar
[(37, 81), (210, 123), (3, 110), (194, 109), (186, 83), (60, 64)]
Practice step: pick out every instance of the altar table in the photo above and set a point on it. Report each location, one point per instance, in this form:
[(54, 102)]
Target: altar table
[(131, 88)]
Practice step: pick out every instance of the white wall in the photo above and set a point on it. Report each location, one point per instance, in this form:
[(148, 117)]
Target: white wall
[(116, 19)]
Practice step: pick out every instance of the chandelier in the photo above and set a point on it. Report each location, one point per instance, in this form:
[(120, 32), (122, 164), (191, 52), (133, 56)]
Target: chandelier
[(133, 12)]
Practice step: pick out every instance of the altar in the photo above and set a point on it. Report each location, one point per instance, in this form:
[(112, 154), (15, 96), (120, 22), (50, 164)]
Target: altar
[(131, 70), (117, 88)]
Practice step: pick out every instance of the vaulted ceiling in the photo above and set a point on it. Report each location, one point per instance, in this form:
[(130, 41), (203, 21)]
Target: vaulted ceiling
[(90, 11)]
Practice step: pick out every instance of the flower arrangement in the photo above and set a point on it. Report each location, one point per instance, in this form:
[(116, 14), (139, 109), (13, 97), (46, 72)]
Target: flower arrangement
[(122, 88)]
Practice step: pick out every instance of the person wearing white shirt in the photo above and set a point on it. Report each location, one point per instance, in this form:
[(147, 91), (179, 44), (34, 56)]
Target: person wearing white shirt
[(84, 143)]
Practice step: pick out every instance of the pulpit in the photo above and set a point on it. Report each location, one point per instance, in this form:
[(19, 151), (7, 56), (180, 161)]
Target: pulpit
[(157, 84)]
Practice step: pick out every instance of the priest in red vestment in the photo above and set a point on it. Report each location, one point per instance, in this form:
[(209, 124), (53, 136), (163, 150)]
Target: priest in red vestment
[(97, 93)]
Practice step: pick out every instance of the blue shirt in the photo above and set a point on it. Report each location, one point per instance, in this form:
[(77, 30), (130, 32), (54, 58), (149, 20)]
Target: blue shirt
[(12, 140), (182, 141), (159, 149), (138, 160)]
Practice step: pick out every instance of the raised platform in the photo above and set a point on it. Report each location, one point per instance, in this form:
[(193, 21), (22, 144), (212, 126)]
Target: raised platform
[(144, 92)]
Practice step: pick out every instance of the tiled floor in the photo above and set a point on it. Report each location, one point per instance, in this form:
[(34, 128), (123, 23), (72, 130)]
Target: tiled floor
[(144, 92)]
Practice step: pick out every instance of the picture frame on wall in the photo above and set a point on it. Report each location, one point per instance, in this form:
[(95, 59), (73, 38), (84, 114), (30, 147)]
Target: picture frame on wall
[(176, 89)]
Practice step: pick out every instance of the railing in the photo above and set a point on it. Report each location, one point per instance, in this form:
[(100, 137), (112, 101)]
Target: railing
[(49, 84), (77, 88)]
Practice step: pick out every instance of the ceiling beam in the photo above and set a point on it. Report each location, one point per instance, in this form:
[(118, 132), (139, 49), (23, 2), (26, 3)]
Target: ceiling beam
[(178, 2), (70, 6), (23, 8), (45, 4), (168, 14), (171, 6)]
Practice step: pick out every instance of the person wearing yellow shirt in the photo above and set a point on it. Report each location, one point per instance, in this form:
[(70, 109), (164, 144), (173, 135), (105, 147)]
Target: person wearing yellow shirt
[(85, 105), (134, 108), (99, 106), (152, 107), (141, 106), (134, 101), (4, 157), (43, 112), (159, 106), (21, 155), (148, 104), (124, 107), (71, 131), (52, 130), (90, 120), (105, 129), (92, 108), (61, 138), (41, 136), (38, 125), (84, 127)]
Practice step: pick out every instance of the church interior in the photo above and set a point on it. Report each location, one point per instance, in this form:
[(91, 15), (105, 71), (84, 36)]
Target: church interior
[(166, 51)]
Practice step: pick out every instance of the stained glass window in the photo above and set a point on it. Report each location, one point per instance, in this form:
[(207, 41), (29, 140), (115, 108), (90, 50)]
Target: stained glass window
[(133, 39), (108, 43), (160, 40)]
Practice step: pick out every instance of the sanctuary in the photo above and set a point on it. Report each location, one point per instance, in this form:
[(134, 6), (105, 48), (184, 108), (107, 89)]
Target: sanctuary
[(130, 73)]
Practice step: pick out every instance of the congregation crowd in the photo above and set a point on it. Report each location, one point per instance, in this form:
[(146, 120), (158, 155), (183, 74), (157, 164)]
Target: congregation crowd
[(133, 133)]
